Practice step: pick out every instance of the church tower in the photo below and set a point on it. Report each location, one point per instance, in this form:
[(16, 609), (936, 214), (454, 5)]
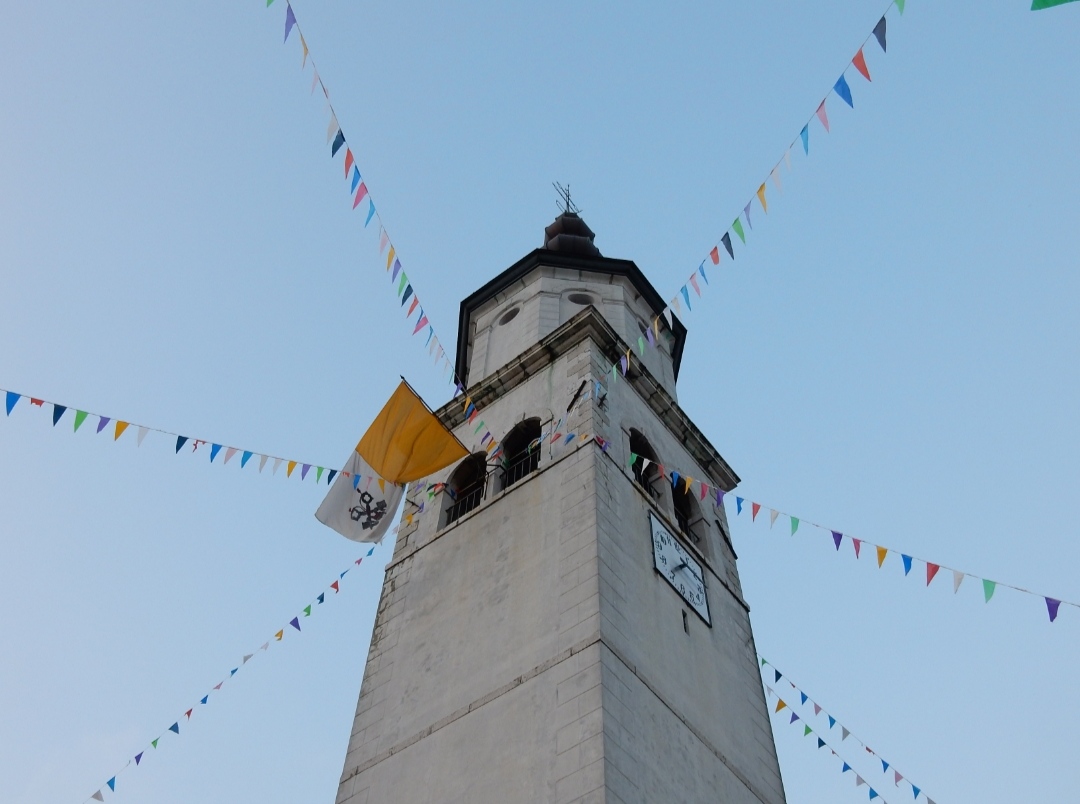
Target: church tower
[(563, 622)]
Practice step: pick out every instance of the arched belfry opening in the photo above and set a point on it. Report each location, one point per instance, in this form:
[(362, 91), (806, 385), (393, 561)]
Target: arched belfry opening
[(688, 516), (464, 489), (646, 466), (521, 451)]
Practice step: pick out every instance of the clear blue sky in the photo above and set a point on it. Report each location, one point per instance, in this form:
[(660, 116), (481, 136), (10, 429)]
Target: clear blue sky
[(894, 354)]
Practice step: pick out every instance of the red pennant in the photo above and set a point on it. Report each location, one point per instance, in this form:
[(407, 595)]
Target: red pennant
[(412, 306), (349, 156), (931, 571), (860, 64), (38, 402), (857, 544), (754, 508), (714, 255), (335, 586), (187, 714)]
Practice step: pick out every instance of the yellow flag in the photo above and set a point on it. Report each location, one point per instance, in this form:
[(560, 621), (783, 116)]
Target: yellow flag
[(881, 551), (406, 441), (780, 705), (120, 428), (761, 197), (288, 470), (389, 258), (279, 634)]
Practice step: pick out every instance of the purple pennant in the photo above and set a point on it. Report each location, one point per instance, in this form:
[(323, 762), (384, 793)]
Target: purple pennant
[(1052, 608), (746, 209), (295, 623), (57, 412), (397, 267), (304, 470), (837, 538), (720, 498), (794, 717), (103, 420), (290, 21), (138, 757)]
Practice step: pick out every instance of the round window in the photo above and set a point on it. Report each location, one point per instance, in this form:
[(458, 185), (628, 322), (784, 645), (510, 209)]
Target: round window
[(509, 316), (581, 298)]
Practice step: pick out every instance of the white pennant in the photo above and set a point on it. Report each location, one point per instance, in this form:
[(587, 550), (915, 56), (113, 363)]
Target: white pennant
[(229, 453), (262, 462), (142, 434), (776, 177), (957, 579), (644, 464), (277, 463), (772, 517), (787, 159), (667, 315), (314, 79), (332, 129)]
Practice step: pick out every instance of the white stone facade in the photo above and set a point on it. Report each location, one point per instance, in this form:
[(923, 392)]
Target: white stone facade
[(528, 651)]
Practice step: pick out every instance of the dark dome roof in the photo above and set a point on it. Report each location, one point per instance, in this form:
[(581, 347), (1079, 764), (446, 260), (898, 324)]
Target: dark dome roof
[(569, 234)]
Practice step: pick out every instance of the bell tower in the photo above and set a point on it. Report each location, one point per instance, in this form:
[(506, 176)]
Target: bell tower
[(564, 620)]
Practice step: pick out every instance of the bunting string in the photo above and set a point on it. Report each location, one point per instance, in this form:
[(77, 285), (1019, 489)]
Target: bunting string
[(881, 553), (726, 244), (118, 427), (360, 193), (110, 785), (845, 733)]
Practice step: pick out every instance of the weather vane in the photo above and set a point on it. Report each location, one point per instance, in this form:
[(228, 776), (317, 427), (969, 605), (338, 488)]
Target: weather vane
[(565, 204)]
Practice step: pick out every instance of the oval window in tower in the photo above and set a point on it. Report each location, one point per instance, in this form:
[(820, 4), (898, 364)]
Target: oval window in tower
[(581, 299)]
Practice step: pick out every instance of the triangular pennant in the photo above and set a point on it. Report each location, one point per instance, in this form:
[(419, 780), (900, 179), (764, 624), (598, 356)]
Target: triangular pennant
[(897, 778), (1052, 606), (879, 34), (777, 676), (97, 796), (794, 525), (899, 5), (822, 115), (307, 610), (761, 197), (714, 255), (370, 213), (102, 421), (915, 790), (837, 538), (820, 743), (746, 211), (804, 135), (860, 64), (780, 704), (138, 757), (330, 476), (846, 768), (957, 579), (773, 514), (807, 731), (736, 227), (726, 240), (857, 544), (319, 473), (359, 193), (803, 698), (295, 623), (873, 794), (817, 709), (262, 461), (289, 468), (881, 553), (204, 699), (175, 728), (120, 428), (686, 296), (754, 508), (907, 563), (842, 89), (304, 470), (738, 505), (80, 417), (10, 399), (245, 458), (988, 589), (154, 742), (775, 176), (214, 450), (884, 765), (844, 734), (335, 587), (931, 571), (187, 714), (794, 717), (290, 21), (339, 140), (278, 636), (57, 413), (142, 434), (348, 161), (832, 721), (112, 784), (355, 180)]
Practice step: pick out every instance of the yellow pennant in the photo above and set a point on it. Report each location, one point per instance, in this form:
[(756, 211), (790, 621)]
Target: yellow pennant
[(761, 197), (382, 485), (688, 480), (279, 634), (780, 705), (389, 258), (881, 551), (288, 470), (120, 428)]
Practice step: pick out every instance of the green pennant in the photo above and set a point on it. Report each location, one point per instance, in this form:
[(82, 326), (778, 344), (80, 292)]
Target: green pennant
[(307, 611), (154, 742), (899, 5), (737, 228), (1037, 5), (633, 458), (402, 283), (763, 662), (477, 430), (807, 731), (988, 589), (318, 473), (80, 417), (794, 525), (641, 344)]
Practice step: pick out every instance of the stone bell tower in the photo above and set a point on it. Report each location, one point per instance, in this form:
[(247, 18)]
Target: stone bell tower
[(561, 623)]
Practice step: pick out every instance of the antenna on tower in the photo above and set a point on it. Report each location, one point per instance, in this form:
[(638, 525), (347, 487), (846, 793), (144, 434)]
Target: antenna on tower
[(564, 203)]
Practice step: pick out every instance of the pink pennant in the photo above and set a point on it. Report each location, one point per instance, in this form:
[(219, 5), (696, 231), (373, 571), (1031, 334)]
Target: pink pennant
[(384, 238), (361, 191), (693, 282), (229, 453), (857, 544), (420, 324), (822, 116)]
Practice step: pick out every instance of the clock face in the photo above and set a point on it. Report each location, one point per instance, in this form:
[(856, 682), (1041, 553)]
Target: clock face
[(679, 568)]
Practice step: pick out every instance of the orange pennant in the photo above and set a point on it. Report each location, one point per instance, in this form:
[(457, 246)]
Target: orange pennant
[(279, 634), (780, 705), (288, 471), (881, 552), (761, 197), (349, 160), (120, 428), (860, 64), (714, 255)]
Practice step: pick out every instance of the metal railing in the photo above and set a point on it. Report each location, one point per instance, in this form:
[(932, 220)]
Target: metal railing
[(519, 466), (465, 501)]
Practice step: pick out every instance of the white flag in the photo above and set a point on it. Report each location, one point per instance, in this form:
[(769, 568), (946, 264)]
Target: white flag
[(357, 507)]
